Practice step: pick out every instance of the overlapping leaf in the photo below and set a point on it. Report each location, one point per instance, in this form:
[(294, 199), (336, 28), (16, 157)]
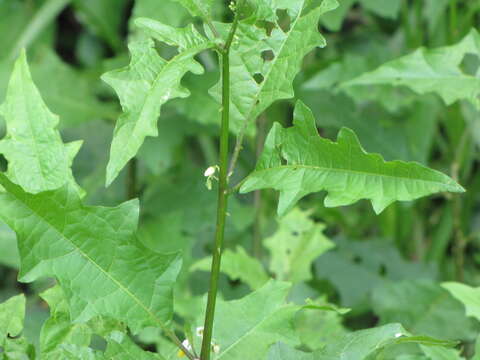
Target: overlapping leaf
[(297, 242), (297, 162), (261, 320), (200, 8), (147, 83), (425, 71), (93, 253), (467, 295), (238, 265), (37, 158), (263, 66)]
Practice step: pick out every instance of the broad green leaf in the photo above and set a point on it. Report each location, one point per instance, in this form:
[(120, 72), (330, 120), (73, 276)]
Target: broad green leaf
[(435, 312), (238, 265), (261, 319), (425, 71), (264, 66), (297, 161), (12, 315), (37, 158), (362, 344), (146, 84), (295, 245), (93, 253), (356, 268), (467, 295)]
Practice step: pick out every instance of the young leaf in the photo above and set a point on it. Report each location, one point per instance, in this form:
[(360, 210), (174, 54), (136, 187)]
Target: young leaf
[(238, 265), (264, 66), (37, 158), (467, 295), (297, 242), (426, 71), (148, 83), (297, 162), (12, 314), (93, 253)]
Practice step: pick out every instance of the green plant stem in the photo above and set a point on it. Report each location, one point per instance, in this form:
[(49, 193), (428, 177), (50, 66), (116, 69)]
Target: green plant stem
[(453, 21), (222, 200), (42, 19), (257, 200)]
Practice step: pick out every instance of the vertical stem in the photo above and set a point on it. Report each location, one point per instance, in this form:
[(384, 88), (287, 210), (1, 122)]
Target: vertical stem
[(453, 21), (406, 23), (222, 200)]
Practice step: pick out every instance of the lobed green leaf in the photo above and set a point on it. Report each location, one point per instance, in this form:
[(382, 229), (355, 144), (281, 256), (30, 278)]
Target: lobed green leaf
[(297, 162)]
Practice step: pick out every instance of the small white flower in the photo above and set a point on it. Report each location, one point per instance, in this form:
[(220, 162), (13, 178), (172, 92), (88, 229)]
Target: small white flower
[(210, 171), (397, 335), (216, 348), (186, 345), (199, 331)]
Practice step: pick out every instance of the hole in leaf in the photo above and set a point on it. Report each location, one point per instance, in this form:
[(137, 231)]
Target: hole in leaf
[(258, 78), (288, 251), (383, 270), (268, 55), (295, 233), (3, 163), (266, 25), (98, 343), (470, 64), (357, 259), (283, 20)]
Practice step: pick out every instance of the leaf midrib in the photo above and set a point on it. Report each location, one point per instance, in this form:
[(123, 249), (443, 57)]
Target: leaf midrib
[(321, 168)]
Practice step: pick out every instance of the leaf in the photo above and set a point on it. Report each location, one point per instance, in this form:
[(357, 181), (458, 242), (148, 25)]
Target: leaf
[(12, 315), (238, 265), (103, 18), (361, 344), (357, 268), (297, 162), (37, 158), (435, 312), (295, 245), (467, 295), (75, 105), (425, 71), (170, 12), (121, 347), (280, 351), (261, 319), (264, 66), (93, 253), (200, 8), (146, 84)]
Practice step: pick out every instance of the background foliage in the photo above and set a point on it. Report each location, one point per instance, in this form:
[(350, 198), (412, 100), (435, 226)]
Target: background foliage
[(403, 75)]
